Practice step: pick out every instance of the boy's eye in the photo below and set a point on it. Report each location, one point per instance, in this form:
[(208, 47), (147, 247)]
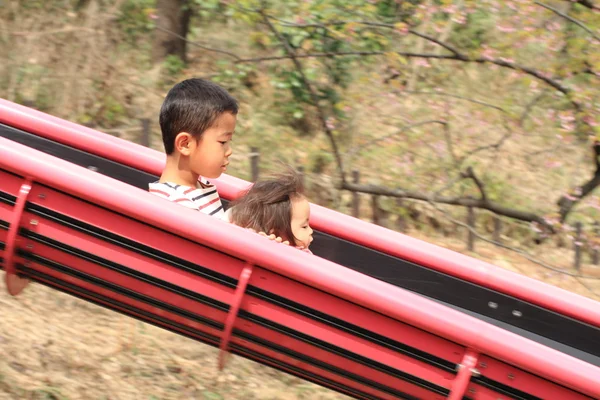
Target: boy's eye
[(223, 143)]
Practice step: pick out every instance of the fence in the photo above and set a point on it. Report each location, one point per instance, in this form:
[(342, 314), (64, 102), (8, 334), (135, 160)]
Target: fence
[(144, 138), (578, 242)]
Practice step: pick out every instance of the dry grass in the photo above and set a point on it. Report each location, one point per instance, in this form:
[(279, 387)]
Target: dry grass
[(58, 347)]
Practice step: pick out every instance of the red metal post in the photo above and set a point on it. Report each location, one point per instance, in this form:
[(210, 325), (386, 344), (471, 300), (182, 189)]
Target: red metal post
[(465, 371), (15, 284), (233, 311)]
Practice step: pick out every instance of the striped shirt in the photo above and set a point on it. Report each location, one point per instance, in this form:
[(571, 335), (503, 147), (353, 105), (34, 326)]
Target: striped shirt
[(204, 198)]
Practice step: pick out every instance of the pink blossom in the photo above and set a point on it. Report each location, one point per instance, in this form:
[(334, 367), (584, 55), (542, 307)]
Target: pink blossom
[(550, 220), (403, 29), (556, 46), (553, 164), (488, 53), (330, 123), (567, 121), (450, 9), (553, 26), (588, 119), (460, 19), (506, 29), (439, 147)]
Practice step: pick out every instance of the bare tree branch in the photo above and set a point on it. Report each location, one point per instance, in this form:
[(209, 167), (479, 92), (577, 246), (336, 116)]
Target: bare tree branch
[(371, 23), (469, 173), (586, 3), (352, 152), (456, 96), (448, 137), (313, 95), (494, 146), (542, 151), (52, 32), (455, 201), (569, 18), (529, 108), (452, 57), (201, 46), (567, 202)]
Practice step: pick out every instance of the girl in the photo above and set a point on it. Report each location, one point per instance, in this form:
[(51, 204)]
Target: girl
[(276, 206)]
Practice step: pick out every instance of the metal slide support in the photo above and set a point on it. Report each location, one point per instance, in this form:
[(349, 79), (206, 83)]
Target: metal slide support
[(233, 311), (466, 369), (14, 283)]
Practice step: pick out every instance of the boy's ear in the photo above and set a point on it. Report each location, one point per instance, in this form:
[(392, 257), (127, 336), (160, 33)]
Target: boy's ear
[(184, 143)]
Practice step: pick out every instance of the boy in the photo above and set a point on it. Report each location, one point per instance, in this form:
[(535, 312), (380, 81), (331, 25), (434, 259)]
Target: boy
[(197, 120)]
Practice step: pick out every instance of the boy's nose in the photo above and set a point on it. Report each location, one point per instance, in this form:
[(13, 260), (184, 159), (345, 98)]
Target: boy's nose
[(229, 152)]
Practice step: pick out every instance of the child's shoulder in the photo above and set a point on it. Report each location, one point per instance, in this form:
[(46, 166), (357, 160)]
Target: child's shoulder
[(203, 198), (173, 192)]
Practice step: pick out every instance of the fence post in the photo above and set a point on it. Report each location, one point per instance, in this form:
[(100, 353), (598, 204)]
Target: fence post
[(145, 134), (254, 158), (497, 229), (470, 234), (375, 205), (301, 173), (401, 222), (595, 252), (355, 198), (577, 246)]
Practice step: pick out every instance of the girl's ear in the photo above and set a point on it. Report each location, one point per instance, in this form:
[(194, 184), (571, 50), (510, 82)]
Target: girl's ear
[(184, 143)]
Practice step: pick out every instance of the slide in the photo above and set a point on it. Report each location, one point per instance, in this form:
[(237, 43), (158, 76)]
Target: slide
[(373, 314)]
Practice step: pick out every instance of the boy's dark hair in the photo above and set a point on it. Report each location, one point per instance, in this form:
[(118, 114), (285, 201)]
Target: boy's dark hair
[(193, 106), (267, 205)]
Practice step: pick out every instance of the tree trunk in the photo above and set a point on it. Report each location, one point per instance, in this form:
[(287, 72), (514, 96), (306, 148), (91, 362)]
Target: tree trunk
[(171, 29), (566, 203)]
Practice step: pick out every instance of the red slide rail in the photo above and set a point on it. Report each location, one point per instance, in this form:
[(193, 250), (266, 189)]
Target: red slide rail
[(325, 220), (303, 278)]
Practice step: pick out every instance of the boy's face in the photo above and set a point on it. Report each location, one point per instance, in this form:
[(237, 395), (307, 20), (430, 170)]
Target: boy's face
[(209, 155), (300, 227)]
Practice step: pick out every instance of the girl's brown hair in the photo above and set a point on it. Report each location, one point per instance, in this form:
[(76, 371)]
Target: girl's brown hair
[(267, 205)]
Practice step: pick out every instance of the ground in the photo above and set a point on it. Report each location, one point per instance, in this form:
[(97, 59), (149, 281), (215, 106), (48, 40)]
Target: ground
[(58, 347)]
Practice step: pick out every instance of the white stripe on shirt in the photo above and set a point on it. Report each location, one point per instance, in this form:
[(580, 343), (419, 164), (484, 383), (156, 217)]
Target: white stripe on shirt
[(204, 198)]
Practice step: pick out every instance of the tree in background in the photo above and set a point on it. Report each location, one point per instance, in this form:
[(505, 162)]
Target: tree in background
[(172, 26), (545, 55), (491, 104)]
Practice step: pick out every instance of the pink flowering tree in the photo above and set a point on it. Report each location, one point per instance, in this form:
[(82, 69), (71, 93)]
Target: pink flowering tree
[(487, 75)]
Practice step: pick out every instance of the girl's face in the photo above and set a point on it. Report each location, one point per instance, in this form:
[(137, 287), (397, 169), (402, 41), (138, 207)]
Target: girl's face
[(300, 227)]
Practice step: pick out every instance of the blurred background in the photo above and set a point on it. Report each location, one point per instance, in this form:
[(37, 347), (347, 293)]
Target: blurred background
[(473, 125)]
